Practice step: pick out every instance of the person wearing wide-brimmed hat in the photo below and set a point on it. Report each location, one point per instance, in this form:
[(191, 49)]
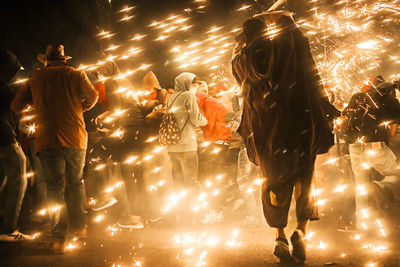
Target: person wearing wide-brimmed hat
[(285, 121), (60, 94)]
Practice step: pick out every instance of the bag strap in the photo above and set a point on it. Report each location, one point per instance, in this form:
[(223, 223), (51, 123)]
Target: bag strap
[(168, 107), (187, 120)]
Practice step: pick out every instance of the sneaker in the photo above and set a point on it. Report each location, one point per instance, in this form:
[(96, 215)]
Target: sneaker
[(103, 203), (155, 219), (15, 237), (299, 245), (281, 249), (134, 222), (57, 247)]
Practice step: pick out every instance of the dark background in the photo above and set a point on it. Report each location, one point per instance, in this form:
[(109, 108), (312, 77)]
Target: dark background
[(26, 27)]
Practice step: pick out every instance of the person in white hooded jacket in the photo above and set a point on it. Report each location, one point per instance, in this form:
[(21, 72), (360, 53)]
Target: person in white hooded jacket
[(183, 154)]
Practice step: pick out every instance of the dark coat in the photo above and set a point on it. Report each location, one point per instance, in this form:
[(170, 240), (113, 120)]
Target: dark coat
[(366, 114), (284, 110), (9, 67)]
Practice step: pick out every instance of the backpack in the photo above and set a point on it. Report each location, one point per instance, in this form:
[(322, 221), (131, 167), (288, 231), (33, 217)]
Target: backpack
[(169, 133)]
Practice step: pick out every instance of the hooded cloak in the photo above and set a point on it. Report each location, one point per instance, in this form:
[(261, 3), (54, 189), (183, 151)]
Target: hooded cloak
[(285, 116)]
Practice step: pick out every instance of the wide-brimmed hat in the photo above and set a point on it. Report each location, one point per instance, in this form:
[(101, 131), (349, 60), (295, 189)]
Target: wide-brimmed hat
[(53, 52)]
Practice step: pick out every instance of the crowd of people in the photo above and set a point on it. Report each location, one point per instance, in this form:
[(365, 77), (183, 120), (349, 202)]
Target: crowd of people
[(94, 143)]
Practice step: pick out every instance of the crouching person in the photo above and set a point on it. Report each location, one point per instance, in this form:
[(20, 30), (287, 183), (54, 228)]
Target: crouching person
[(12, 158), (60, 94)]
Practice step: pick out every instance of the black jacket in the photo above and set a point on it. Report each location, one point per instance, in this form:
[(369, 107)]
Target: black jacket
[(9, 67), (366, 116)]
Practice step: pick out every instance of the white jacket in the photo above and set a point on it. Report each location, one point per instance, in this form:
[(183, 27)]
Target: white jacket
[(186, 112)]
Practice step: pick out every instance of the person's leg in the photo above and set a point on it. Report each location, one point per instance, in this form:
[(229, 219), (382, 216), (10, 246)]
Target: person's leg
[(203, 155), (245, 180), (75, 195), (189, 165), (13, 162), (177, 173), (305, 201), (151, 176), (41, 190), (53, 167), (138, 194), (383, 160), (280, 233), (305, 208), (362, 174), (276, 198), (121, 191), (133, 186), (348, 212)]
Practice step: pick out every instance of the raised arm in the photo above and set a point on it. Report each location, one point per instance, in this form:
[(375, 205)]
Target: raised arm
[(22, 99), (195, 117), (88, 92)]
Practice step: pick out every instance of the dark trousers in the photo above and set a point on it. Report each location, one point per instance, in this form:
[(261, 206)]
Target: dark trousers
[(288, 173), (63, 169), (13, 167), (212, 161)]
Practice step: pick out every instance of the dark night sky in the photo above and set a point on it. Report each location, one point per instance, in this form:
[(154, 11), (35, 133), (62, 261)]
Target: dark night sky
[(26, 27)]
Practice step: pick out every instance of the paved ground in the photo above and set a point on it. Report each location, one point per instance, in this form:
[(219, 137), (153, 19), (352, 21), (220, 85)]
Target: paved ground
[(215, 245)]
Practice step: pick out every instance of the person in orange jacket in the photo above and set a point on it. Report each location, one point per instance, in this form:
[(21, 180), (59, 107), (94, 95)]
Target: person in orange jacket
[(216, 135), (217, 129)]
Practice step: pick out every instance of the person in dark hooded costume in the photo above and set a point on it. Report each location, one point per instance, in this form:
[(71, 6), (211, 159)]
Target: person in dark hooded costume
[(12, 158), (286, 119)]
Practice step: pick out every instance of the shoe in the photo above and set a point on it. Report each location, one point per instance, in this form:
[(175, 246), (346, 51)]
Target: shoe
[(15, 237), (383, 198), (155, 219), (134, 222), (81, 233), (102, 204), (281, 249), (57, 247), (346, 225), (299, 245)]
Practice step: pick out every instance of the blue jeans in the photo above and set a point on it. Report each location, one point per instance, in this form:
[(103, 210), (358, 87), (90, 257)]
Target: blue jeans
[(63, 170), (13, 166)]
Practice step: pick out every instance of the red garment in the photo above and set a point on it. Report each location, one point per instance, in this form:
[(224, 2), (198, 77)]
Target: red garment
[(153, 94), (214, 111), (101, 88)]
